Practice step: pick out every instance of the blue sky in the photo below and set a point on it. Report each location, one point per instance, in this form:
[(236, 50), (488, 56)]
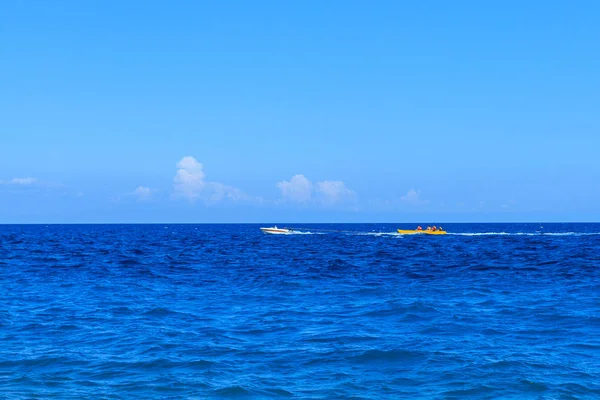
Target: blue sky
[(236, 111)]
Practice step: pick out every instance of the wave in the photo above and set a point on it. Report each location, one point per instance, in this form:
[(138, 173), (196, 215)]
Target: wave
[(479, 234), (395, 355), (401, 235), (572, 233), (523, 233), (450, 233), (232, 391), (396, 234), (377, 234)]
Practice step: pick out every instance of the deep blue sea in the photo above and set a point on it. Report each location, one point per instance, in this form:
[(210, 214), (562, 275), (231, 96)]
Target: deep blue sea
[(489, 311)]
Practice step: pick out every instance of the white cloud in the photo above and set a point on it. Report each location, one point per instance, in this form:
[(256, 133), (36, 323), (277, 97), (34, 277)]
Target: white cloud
[(143, 193), (218, 191), (19, 181), (190, 183), (189, 180), (23, 181), (190, 164), (300, 189), (334, 191), (413, 197)]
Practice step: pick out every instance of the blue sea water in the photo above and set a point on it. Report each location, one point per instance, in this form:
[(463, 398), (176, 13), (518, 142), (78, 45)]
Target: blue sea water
[(224, 311)]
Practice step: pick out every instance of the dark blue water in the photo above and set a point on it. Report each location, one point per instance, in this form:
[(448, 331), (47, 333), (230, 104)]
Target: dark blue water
[(224, 311)]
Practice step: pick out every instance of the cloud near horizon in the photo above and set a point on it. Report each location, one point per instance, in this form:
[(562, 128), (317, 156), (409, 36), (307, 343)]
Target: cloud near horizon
[(301, 190), (298, 189), (19, 181), (143, 193), (333, 192), (413, 197), (190, 183)]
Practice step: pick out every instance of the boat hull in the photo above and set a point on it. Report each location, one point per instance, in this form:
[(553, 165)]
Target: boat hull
[(276, 231), (416, 232)]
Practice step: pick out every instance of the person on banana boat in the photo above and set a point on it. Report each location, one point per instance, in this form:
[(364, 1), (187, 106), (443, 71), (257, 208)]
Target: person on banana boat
[(430, 229)]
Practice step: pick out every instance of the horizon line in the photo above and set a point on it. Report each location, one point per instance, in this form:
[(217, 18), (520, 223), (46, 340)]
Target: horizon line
[(289, 223)]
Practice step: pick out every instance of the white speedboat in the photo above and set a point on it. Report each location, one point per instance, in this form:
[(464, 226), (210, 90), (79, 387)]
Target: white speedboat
[(276, 231)]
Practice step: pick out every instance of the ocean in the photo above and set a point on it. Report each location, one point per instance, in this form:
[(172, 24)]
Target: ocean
[(489, 311)]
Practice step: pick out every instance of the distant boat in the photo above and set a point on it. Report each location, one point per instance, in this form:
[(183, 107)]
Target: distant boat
[(423, 231), (276, 231)]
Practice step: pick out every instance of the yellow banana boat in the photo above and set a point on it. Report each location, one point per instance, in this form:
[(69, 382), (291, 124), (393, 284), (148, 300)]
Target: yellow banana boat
[(424, 231)]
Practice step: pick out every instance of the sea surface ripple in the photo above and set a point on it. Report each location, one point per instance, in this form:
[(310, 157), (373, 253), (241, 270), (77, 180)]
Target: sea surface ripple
[(225, 311)]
